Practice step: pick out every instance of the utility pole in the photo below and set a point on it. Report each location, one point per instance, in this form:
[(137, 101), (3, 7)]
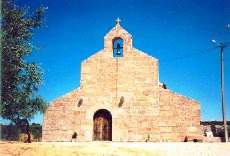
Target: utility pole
[(222, 46)]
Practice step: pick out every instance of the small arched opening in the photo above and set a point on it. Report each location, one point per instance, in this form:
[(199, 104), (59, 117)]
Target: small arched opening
[(102, 125), (118, 47)]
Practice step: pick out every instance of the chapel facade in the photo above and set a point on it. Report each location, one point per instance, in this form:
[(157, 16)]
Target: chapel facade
[(120, 98)]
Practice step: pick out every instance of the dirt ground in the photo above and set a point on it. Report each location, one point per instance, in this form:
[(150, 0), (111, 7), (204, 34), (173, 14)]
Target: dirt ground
[(114, 149)]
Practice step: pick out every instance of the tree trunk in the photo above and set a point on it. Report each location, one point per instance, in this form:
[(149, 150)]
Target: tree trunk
[(27, 128), (28, 136), (24, 126)]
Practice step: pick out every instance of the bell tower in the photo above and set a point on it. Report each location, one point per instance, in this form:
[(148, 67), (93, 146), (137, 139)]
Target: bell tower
[(118, 41)]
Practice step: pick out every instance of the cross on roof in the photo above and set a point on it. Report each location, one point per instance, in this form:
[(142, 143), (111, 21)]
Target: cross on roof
[(118, 20)]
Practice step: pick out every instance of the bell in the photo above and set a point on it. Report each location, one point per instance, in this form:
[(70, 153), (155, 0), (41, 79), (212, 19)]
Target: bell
[(118, 49)]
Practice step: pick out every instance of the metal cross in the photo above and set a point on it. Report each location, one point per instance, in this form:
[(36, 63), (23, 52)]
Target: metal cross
[(118, 20)]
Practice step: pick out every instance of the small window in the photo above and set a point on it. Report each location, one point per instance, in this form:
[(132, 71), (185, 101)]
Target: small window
[(117, 47)]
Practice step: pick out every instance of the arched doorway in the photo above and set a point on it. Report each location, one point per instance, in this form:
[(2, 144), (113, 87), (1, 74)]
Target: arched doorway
[(102, 125)]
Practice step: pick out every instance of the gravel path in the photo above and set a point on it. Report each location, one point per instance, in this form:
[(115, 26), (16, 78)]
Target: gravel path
[(114, 149)]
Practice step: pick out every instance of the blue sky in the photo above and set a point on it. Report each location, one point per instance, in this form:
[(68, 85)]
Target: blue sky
[(176, 32)]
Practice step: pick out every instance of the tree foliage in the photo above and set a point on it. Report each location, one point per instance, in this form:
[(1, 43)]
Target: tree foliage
[(20, 78)]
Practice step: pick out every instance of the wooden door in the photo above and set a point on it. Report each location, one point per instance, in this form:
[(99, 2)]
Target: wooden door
[(102, 130)]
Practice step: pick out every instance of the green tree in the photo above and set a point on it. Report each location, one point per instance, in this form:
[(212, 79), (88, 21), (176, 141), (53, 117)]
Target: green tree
[(20, 78)]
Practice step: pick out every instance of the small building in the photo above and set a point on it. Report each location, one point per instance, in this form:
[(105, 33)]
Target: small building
[(216, 128), (120, 98)]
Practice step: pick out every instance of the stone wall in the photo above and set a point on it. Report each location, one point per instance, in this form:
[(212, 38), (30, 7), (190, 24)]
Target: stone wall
[(180, 117), (128, 87)]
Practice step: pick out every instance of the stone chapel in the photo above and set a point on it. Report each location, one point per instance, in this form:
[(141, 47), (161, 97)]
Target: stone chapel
[(120, 98)]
